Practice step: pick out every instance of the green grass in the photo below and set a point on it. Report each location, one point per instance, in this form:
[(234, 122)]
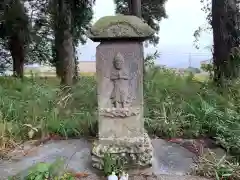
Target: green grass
[(201, 77), (174, 107), (40, 104), (52, 73)]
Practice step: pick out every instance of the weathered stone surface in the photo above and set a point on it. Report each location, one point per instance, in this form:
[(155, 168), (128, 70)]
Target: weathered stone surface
[(122, 112), (120, 26), (135, 154), (120, 126), (169, 158), (119, 66), (76, 154)]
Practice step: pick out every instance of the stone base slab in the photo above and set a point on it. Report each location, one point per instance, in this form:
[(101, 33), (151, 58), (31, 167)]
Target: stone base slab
[(133, 154)]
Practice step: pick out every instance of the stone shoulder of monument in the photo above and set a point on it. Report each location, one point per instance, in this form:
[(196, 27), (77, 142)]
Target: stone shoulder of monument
[(120, 26)]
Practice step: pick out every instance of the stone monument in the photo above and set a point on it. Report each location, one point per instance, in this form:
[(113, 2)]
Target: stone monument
[(119, 65)]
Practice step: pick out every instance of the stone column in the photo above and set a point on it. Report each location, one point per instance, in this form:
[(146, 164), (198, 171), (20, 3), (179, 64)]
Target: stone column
[(119, 65)]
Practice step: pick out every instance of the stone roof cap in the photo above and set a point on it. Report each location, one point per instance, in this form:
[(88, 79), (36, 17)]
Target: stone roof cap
[(120, 27)]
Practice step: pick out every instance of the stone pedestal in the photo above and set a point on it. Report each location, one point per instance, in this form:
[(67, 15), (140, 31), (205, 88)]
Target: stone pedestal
[(119, 65), (133, 152)]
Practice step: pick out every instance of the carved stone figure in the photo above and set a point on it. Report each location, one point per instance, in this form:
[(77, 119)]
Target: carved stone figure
[(118, 76)]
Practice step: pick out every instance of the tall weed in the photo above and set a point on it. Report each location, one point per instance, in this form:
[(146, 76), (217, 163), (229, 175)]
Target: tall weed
[(175, 106)]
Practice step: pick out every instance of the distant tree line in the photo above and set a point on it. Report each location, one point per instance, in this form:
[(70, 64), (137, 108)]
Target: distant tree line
[(49, 31)]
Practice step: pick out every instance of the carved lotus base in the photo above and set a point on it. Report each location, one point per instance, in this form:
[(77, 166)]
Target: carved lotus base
[(119, 112), (134, 154)]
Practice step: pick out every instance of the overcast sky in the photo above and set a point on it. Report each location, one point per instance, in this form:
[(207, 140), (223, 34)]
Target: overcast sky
[(176, 34)]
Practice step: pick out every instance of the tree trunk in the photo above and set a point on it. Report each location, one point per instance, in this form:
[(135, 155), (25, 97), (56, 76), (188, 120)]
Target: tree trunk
[(76, 73), (222, 42), (233, 28), (67, 59), (130, 7), (135, 7), (57, 60), (16, 48), (57, 40), (66, 46)]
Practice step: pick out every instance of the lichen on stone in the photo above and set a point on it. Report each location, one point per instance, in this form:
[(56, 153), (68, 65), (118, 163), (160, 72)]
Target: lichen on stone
[(120, 26), (119, 112), (132, 153)]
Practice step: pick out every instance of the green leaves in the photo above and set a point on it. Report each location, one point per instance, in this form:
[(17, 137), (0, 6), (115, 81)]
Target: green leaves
[(39, 172), (112, 163), (34, 23), (152, 12), (44, 171), (15, 20)]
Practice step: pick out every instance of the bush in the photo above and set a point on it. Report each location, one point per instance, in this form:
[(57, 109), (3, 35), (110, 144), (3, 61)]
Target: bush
[(37, 104), (181, 107)]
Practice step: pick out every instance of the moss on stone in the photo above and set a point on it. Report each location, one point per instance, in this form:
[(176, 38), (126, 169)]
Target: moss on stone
[(137, 28)]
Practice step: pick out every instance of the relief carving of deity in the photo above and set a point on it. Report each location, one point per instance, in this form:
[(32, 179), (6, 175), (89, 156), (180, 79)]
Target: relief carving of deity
[(120, 96), (119, 77)]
